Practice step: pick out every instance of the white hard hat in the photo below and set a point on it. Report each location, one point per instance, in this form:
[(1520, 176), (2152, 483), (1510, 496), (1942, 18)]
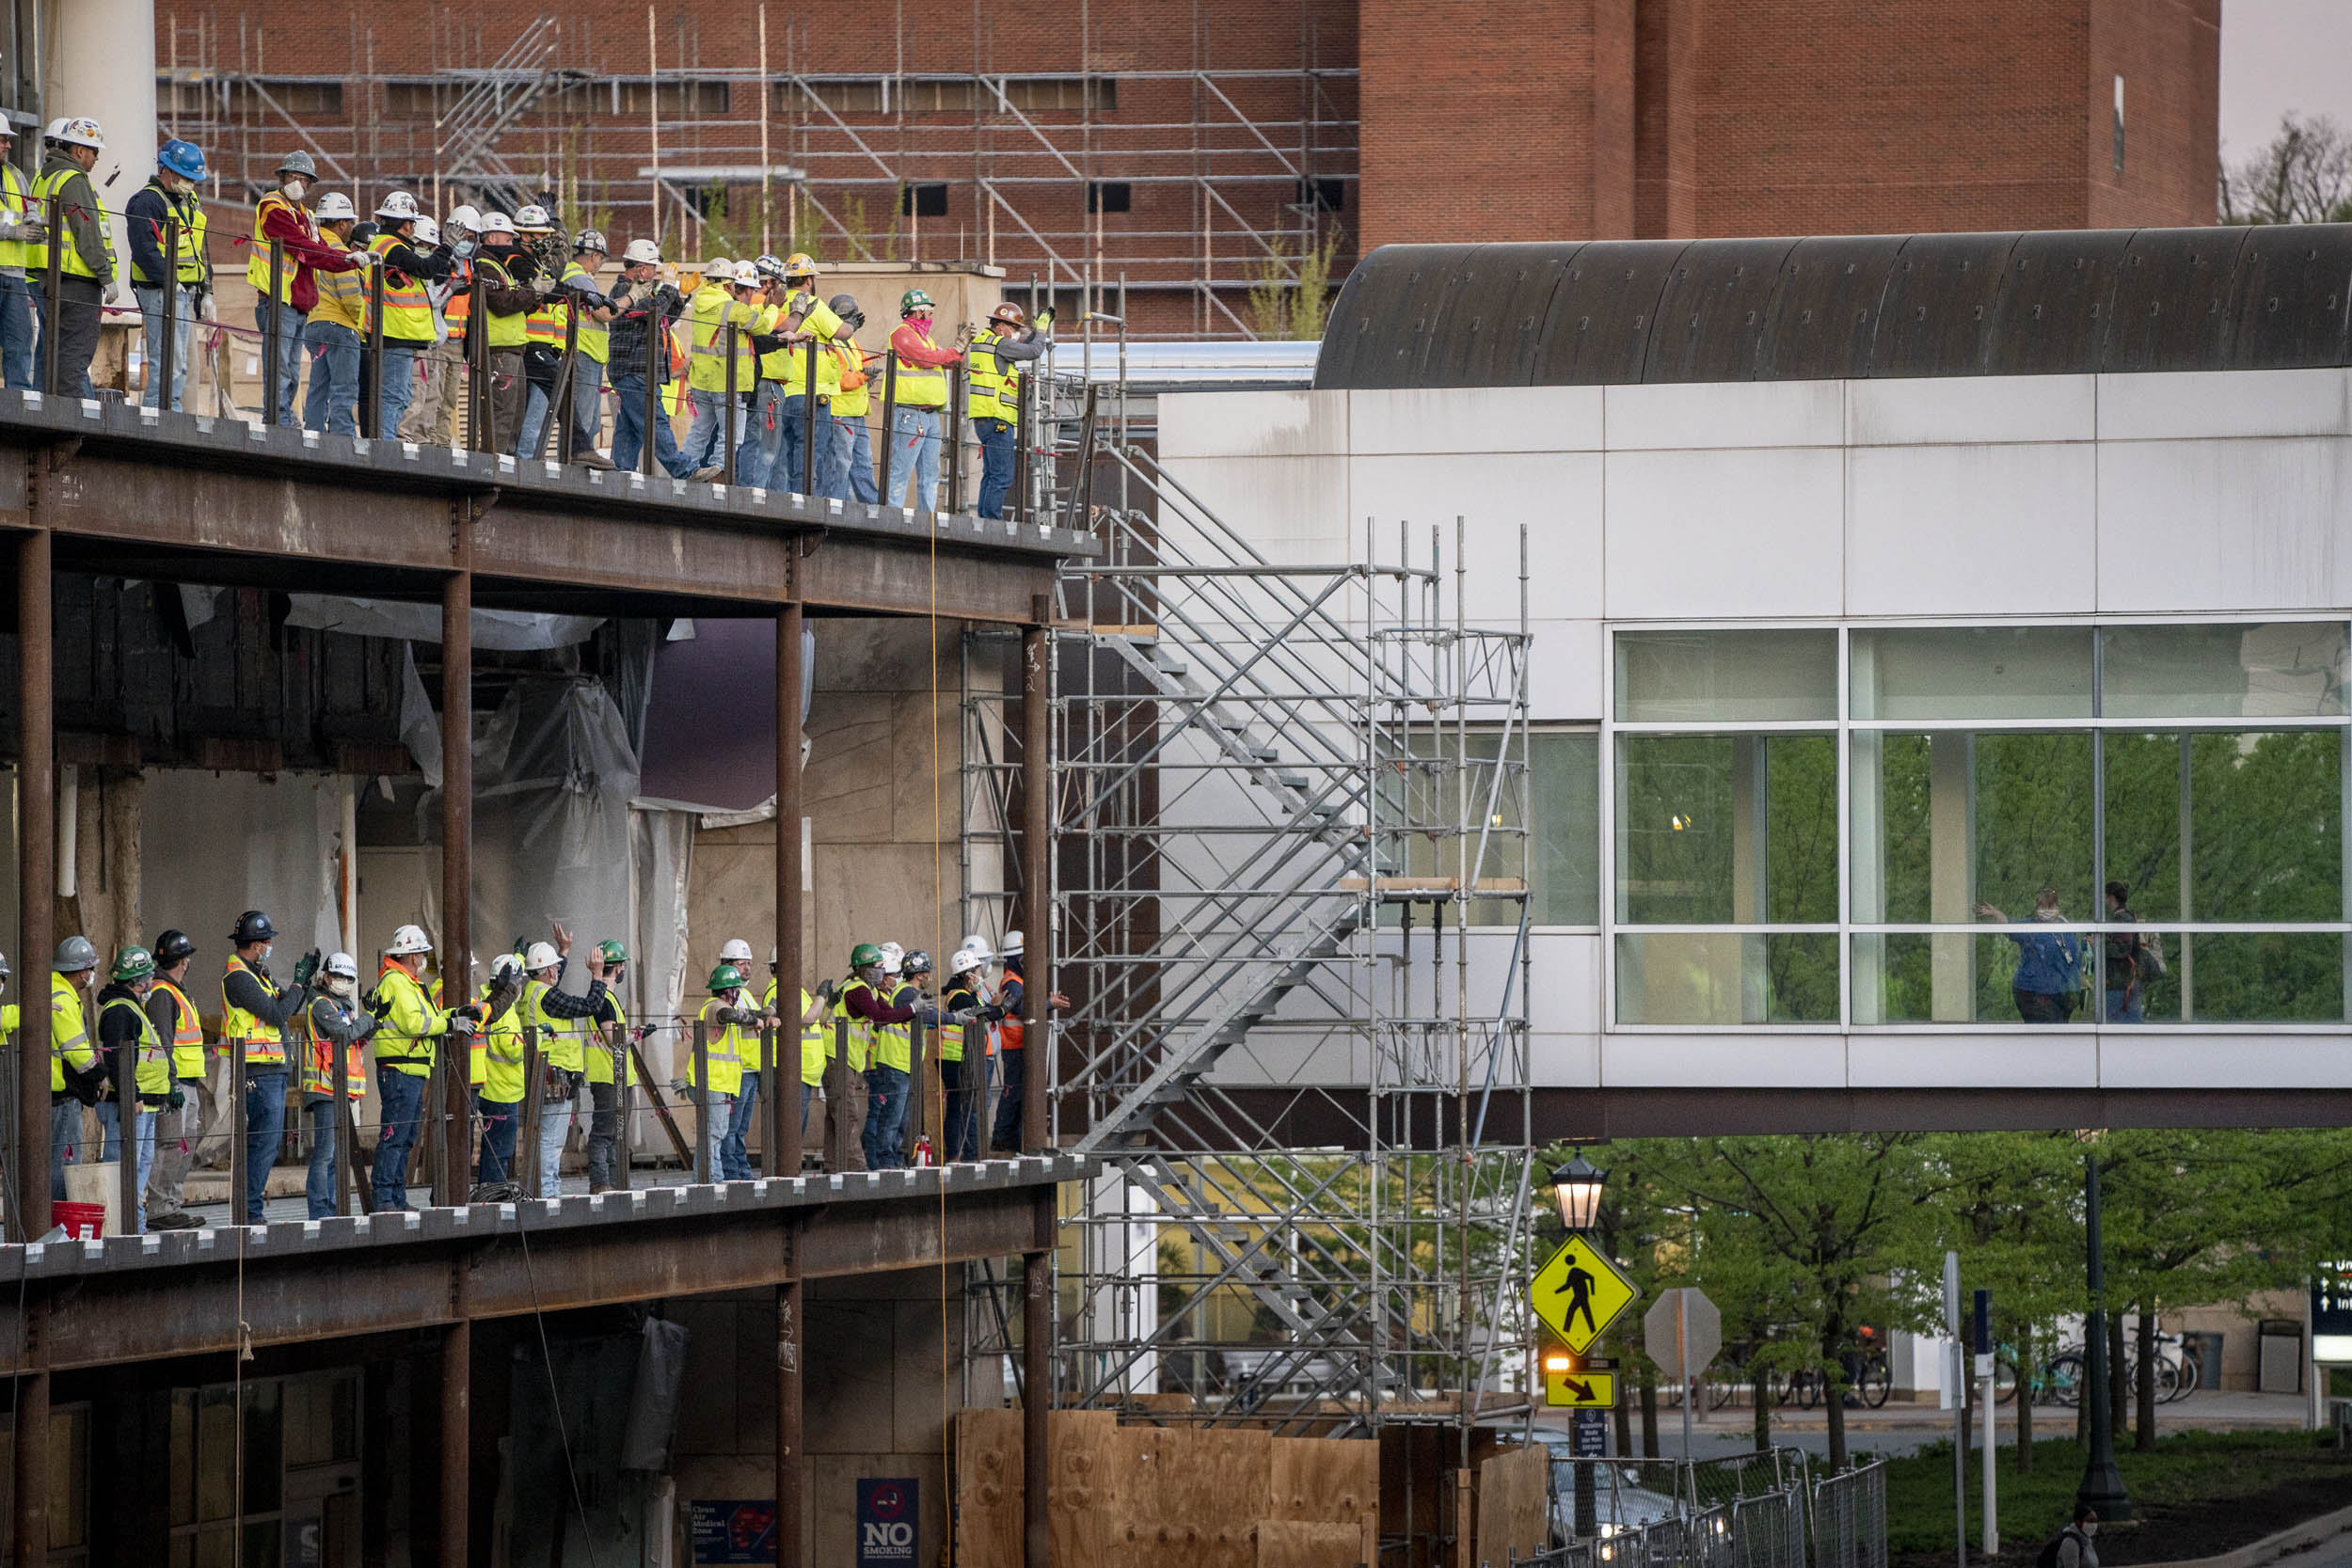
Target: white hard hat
[(541, 955), (505, 963), (428, 231), (717, 266), (77, 132), (407, 940), (964, 961), (466, 217), (400, 207), (737, 951), (893, 956), (639, 252), (978, 943), (534, 217), (747, 275), (495, 222), (333, 208), (1012, 944), (343, 964)]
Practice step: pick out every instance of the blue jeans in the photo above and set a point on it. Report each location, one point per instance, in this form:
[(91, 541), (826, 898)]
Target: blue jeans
[(396, 388), (151, 313), (844, 460), (400, 1100), (333, 406), (555, 1125), (288, 355), (914, 451), (500, 1122), (997, 448), (532, 440), (318, 1188), (109, 1132), (966, 1085), (714, 1113), (706, 439), (2123, 1006), (628, 430), (735, 1158), (16, 332), (885, 1118), (1015, 1069), (771, 459), (587, 410), (143, 1131), (264, 1126), (65, 1136)]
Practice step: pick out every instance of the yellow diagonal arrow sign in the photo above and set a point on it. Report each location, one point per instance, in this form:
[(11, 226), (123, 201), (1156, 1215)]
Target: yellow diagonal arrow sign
[(1580, 1292)]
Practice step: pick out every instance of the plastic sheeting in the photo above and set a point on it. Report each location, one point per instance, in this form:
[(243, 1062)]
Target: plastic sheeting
[(501, 630), (710, 722), (653, 1405)]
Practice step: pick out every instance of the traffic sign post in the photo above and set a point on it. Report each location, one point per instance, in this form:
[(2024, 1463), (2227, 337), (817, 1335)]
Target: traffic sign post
[(1578, 1293), (1683, 1332)]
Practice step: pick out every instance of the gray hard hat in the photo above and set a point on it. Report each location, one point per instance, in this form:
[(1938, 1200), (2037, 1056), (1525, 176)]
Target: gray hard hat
[(843, 304), (297, 163), (75, 953)]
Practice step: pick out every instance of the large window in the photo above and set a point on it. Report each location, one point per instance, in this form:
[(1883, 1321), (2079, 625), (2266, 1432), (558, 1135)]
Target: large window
[(2042, 825)]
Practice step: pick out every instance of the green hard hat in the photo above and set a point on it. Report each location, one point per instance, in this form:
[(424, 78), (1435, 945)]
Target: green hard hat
[(725, 977), (612, 952), (133, 963), (915, 298), (864, 955)]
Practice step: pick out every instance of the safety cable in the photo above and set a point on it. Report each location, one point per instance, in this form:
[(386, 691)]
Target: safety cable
[(555, 1396)]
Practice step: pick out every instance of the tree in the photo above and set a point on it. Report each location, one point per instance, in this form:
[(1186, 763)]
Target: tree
[(1281, 306), (2303, 176)]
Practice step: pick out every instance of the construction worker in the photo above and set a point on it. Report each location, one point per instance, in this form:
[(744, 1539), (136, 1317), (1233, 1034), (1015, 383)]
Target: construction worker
[(1013, 1038), (166, 219), (845, 456), (735, 1149), (411, 268), (178, 1126), (74, 1077), (775, 453), (883, 1003), (643, 305), (562, 1018), (965, 1054), (336, 329), (724, 310), (86, 255), (500, 1102), (543, 329), (334, 1021), (845, 1073), (730, 1024), (999, 347), (259, 1017), (412, 1023), (816, 1035), (610, 1075), (916, 428), (127, 1036), (433, 417), (21, 228), (577, 292), (504, 299), (303, 256)]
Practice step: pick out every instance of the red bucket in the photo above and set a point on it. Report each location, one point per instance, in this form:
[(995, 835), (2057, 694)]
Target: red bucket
[(81, 1221)]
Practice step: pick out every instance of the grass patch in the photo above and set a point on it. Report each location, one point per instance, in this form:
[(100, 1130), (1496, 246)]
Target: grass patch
[(2199, 1493)]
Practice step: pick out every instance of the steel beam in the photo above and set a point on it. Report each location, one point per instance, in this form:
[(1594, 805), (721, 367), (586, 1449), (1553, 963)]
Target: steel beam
[(457, 937), (790, 1485), (1037, 1383), (785, 1121), (1037, 868), (35, 882)]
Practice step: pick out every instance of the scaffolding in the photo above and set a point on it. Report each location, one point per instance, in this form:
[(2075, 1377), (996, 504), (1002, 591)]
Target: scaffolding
[(1198, 183), (1291, 905)]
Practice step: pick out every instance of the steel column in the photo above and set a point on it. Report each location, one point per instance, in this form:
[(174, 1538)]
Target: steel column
[(456, 941), (273, 335), (784, 1128), (1036, 1383), (457, 1434), (1037, 866), (790, 1486), (657, 361), (889, 428), (29, 1526), (808, 423), (371, 361), (163, 398), (36, 873), (50, 305)]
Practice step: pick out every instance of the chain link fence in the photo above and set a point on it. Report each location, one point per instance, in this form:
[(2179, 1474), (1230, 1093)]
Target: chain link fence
[(1850, 1518), (1751, 1510)]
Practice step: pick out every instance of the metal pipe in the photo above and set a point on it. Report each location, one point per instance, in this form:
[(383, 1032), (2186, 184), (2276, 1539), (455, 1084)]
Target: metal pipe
[(889, 427), (2101, 1487), (726, 409), (49, 304), (953, 441), (1037, 864), (788, 1424), (790, 911), (808, 424), (164, 397), (1023, 401), (273, 335), (456, 1430), (372, 364), (657, 360), (457, 839), (127, 1109), (346, 1133), (703, 1140), (624, 1092), (1037, 1385), (35, 874), (566, 416), (239, 1157), (478, 401), (29, 1527), (525, 1169)]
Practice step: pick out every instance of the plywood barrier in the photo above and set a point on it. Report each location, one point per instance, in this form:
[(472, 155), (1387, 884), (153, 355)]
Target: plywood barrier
[(1334, 1480), (1084, 1484), (1310, 1544), (988, 1488), (1513, 1505)]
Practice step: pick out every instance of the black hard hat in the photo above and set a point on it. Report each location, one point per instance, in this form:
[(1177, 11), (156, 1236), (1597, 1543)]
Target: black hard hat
[(171, 947), (252, 926)]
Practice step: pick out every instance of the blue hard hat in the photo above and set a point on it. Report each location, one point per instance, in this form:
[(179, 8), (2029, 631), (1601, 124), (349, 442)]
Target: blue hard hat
[(183, 158)]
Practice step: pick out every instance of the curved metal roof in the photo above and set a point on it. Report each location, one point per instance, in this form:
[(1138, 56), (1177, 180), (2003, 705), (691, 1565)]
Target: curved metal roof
[(1846, 307)]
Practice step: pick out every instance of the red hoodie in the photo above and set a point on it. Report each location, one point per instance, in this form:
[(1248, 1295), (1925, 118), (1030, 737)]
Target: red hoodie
[(309, 255)]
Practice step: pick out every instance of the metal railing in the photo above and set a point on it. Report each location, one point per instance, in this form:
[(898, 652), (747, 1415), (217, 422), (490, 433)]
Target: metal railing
[(1749, 1510)]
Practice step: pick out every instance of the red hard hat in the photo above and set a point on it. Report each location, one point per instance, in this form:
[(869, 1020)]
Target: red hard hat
[(1009, 314)]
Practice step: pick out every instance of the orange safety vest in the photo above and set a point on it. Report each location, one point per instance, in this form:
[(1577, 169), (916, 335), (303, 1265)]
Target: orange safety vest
[(263, 1044), (318, 1066), (187, 1033)]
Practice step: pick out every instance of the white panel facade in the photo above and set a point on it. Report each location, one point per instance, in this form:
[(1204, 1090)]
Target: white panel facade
[(1971, 409), (2240, 523), (1716, 415), (1729, 533), (1970, 530), (1390, 422)]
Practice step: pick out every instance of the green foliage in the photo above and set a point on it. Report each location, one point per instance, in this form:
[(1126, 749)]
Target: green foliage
[(1282, 306)]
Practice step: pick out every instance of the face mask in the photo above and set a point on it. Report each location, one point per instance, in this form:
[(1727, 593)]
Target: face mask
[(293, 189), (339, 985), (264, 955), (2090, 1527)]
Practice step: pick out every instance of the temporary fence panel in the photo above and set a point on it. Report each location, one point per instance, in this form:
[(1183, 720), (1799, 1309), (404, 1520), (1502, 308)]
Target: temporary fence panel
[(1850, 1518)]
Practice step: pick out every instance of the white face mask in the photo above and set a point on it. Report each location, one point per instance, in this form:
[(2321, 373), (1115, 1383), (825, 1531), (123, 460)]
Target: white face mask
[(294, 187), (264, 955), (339, 985), (2090, 1527)]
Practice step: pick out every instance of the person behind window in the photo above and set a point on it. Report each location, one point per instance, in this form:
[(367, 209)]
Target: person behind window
[(2131, 961), (2049, 979)]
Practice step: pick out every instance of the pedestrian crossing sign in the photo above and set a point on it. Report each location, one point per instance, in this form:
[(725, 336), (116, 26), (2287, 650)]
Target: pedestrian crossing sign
[(1567, 1390), (1580, 1292)]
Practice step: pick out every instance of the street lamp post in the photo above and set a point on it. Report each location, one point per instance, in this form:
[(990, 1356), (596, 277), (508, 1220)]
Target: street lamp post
[(1577, 1187), (2101, 1485)]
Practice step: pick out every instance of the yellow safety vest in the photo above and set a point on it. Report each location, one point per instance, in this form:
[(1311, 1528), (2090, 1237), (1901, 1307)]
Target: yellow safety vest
[(502, 1053), (69, 262), (506, 331), (343, 295), (852, 395), (561, 1039), (153, 1076), (790, 364), (407, 308), (988, 376), (264, 1045), (595, 339), (68, 1031), (411, 1024), (190, 223), (893, 1043), (318, 1065), (187, 1035), (257, 264), (716, 312), (815, 1038), (16, 206), (722, 1048), (859, 1046), (601, 1055), (921, 386)]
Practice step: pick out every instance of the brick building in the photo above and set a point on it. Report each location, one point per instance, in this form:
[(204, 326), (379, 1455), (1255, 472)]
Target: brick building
[(1201, 152)]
